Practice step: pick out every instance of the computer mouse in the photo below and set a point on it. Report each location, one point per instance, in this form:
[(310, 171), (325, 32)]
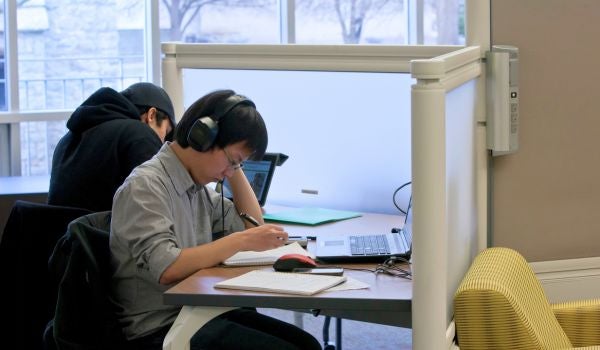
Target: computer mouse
[(288, 262)]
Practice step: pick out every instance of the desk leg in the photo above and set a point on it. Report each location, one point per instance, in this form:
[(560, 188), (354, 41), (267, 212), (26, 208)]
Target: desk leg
[(338, 333), (188, 322)]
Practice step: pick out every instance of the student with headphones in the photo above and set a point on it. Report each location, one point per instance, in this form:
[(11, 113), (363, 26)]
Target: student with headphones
[(164, 218)]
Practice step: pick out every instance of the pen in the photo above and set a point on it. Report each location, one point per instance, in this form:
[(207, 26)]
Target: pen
[(250, 219)]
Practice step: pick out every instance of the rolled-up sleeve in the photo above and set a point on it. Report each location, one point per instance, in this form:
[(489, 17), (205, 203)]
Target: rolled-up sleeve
[(142, 226)]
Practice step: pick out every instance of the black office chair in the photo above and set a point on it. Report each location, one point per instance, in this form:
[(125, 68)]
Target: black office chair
[(29, 236), (84, 318)]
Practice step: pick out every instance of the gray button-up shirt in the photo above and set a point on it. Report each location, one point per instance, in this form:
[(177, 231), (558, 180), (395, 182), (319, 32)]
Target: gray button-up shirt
[(157, 212)]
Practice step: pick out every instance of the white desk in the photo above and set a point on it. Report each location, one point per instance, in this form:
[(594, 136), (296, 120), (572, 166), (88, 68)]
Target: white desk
[(16, 185)]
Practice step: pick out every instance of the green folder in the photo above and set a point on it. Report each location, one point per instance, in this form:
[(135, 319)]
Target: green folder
[(310, 216)]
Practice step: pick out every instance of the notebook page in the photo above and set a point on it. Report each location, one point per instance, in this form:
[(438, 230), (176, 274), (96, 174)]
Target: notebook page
[(281, 282), (267, 257)]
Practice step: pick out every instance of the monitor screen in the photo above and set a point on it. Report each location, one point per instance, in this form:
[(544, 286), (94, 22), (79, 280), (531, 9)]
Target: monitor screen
[(259, 174)]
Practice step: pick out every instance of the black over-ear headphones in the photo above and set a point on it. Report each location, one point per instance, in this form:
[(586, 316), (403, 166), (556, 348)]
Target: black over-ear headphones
[(203, 132)]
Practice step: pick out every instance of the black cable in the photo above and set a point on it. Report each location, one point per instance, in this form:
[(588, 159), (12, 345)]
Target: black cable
[(394, 197), (359, 269), (222, 208), (389, 267), (393, 259)]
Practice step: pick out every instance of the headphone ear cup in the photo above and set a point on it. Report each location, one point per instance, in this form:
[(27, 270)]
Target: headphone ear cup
[(202, 134)]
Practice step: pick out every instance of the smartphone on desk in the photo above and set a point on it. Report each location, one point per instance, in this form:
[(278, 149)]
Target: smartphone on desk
[(302, 240), (329, 271)]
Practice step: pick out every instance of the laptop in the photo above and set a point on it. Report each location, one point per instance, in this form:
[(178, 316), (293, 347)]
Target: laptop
[(376, 247), (259, 174)]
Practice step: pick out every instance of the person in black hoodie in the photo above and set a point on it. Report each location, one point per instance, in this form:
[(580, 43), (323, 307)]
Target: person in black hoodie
[(109, 134)]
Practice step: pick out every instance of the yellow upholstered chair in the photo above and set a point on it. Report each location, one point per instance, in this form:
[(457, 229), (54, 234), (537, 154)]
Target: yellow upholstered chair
[(500, 304)]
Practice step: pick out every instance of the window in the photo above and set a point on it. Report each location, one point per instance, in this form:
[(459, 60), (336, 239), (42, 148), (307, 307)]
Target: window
[(62, 61), (351, 22), (316, 21), (64, 50), (249, 21)]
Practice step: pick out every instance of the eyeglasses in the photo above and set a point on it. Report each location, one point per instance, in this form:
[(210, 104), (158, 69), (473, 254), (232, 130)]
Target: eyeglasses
[(232, 164)]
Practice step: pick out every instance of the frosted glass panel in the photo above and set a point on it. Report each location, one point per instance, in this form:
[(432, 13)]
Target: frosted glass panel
[(347, 135), (460, 184)]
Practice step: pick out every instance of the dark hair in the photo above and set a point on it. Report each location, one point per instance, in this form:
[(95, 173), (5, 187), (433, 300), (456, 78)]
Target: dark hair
[(160, 115), (242, 123)]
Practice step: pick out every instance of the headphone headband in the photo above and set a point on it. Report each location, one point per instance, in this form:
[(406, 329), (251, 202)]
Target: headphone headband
[(203, 132), (230, 103)]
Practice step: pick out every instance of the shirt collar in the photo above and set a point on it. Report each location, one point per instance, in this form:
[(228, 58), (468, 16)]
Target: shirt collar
[(180, 177)]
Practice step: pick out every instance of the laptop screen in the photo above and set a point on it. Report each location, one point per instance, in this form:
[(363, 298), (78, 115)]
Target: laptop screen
[(259, 174)]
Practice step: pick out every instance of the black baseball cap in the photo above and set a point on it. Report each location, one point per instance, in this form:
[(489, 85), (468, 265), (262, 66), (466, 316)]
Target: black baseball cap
[(151, 95)]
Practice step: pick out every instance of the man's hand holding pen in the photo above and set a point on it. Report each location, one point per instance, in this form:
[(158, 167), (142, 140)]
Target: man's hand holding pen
[(302, 240), (262, 237)]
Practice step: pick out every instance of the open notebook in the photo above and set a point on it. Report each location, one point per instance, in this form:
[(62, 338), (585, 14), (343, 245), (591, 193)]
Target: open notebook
[(281, 282)]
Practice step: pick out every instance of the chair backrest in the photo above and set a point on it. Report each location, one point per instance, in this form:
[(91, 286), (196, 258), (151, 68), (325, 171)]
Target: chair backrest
[(29, 236), (85, 318), (500, 304)]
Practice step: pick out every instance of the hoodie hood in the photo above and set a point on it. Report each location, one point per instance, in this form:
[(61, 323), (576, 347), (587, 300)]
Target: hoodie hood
[(103, 105)]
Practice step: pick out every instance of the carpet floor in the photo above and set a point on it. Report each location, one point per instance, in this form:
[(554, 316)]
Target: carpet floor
[(355, 335)]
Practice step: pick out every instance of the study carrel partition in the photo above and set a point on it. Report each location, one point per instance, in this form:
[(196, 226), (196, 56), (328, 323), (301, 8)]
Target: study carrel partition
[(448, 149), (449, 164)]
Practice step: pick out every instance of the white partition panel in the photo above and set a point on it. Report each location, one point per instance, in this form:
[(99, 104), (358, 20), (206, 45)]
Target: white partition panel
[(461, 190), (445, 187), (448, 147), (340, 111), (347, 134)]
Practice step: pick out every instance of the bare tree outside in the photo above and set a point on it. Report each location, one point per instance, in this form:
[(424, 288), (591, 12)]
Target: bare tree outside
[(351, 15), (447, 25), (182, 13)]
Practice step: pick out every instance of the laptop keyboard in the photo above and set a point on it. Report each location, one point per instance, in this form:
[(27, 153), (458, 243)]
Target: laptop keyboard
[(369, 245)]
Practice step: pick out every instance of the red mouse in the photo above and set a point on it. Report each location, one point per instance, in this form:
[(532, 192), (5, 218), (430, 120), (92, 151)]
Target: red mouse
[(288, 262)]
